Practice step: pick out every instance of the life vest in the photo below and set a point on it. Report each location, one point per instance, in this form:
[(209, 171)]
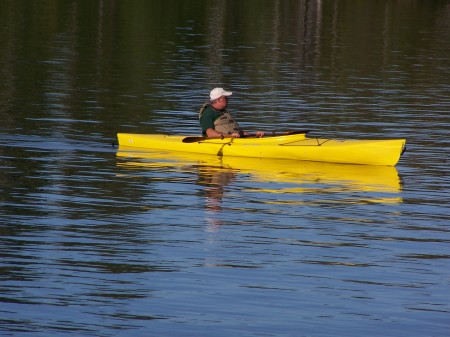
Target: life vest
[(224, 123)]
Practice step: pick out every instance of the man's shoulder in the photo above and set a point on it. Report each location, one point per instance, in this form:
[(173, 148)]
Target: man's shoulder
[(208, 107), (209, 110)]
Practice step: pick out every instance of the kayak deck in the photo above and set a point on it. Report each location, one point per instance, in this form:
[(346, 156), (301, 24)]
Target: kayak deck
[(296, 147)]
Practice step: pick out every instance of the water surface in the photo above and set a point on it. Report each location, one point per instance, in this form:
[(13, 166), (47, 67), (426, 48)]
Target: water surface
[(104, 241)]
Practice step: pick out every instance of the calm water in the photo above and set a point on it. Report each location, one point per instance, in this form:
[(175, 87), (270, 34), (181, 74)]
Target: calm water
[(101, 241)]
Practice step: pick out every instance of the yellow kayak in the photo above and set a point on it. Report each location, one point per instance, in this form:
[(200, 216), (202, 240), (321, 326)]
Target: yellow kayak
[(293, 147)]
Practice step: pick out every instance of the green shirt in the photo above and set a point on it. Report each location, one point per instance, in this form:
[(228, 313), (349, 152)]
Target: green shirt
[(209, 115)]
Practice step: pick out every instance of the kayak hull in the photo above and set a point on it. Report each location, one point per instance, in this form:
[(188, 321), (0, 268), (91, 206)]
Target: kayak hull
[(294, 147)]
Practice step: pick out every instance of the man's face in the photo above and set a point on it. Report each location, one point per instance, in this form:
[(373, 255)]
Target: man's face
[(222, 102)]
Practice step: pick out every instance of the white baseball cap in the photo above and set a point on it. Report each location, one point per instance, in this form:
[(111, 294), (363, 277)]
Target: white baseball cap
[(219, 92)]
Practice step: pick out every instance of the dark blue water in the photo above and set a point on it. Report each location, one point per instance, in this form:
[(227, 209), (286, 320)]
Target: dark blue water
[(101, 241)]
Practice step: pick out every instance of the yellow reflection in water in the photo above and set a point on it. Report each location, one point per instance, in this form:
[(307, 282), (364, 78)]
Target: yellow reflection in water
[(311, 177)]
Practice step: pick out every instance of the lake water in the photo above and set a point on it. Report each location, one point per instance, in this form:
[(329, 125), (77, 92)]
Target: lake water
[(101, 241)]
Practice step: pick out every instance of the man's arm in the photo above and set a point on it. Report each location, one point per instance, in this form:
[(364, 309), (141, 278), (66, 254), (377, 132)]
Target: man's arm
[(210, 132)]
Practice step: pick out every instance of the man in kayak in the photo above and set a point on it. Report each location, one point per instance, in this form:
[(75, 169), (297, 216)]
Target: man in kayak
[(216, 121)]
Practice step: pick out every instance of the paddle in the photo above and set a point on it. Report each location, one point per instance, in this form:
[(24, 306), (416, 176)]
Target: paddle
[(266, 134)]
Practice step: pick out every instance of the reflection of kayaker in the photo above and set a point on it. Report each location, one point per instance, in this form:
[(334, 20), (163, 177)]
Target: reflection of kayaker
[(214, 179), (379, 184), (357, 178)]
